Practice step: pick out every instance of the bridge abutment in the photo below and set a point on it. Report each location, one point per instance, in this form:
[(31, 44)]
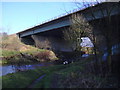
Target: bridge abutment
[(27, 40)]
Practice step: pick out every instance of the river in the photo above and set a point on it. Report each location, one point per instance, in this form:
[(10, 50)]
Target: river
[(6, 69)]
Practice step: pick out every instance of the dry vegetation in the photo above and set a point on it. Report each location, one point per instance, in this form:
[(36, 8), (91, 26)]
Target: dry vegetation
[(12, 42), (14, 51)]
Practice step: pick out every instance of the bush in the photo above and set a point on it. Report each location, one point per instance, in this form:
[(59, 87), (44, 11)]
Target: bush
[(43, 56)]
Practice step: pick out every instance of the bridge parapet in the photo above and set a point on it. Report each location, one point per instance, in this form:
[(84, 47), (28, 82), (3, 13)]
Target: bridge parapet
[(98, 11)]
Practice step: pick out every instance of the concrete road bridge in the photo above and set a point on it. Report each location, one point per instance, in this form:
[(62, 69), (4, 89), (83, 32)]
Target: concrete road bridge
[(50, 34)]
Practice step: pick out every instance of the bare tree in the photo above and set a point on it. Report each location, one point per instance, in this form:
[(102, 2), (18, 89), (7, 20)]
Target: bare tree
[(4, 43), (79, 28), (105, 25)]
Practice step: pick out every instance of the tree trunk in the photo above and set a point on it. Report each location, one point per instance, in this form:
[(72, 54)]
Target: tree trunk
[(109, 59)]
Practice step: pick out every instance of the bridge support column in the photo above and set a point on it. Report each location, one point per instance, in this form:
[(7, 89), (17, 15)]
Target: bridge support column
[(41, 42)]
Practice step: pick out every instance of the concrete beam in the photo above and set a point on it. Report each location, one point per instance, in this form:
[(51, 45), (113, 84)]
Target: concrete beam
[(64, 21)]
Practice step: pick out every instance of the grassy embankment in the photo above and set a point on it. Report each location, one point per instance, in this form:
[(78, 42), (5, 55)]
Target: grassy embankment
[(15, 52), (73, 75), (15, 57)]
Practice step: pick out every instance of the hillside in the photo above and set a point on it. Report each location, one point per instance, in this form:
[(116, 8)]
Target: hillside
[(12, 42), (14, 51)]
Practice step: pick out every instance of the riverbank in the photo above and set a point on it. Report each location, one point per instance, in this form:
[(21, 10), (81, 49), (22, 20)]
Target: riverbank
[(31, 56), (74, 75), (13, 51), (6, 69), (25, 78)]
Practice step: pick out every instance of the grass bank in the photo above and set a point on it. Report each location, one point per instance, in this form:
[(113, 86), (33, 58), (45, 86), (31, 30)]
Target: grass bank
[(16, 57), (24, 79), (20, 79), (73, 75), (77, 75), (33, 55), (13, 51)]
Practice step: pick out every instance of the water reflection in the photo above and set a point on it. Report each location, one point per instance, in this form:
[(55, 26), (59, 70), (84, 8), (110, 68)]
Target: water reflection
[(15, 68)]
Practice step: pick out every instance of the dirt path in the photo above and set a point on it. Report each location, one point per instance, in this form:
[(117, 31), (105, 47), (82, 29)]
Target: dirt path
[(36, 81)]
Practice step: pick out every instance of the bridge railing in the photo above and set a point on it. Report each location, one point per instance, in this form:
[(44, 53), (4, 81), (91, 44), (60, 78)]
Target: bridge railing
[(85, 5), (72, 11)]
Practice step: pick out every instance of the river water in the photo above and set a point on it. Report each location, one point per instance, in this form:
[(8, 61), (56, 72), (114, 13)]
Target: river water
[(6, 69)]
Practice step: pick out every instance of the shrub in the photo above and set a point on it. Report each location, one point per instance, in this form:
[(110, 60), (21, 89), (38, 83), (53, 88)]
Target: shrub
[(43, 56)]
